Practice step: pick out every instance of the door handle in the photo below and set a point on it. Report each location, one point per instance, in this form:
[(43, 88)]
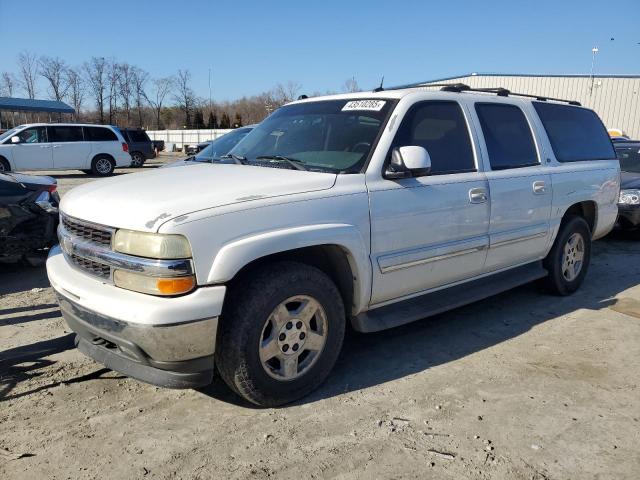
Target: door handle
[(478, 195), (539, 188), (57, 146), (45, 146)]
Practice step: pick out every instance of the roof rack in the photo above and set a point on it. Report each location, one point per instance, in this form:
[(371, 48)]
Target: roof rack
[(461, 87)]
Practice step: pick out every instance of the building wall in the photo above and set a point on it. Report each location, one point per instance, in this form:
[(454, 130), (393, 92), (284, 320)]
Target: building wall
[(615, 99), (178, 139)]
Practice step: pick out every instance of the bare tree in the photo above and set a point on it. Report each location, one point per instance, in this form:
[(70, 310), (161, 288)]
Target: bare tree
[(126, 88), (28, 68), (96, 72), (54, 70), (351, 85), (76, 90), (113, 78), (184, 96), (282, 94), (139, 79), (7, 84), (161, 88)]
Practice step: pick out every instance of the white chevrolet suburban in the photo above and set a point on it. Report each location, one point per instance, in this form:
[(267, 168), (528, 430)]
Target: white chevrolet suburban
[(373, 209), (96, 149)]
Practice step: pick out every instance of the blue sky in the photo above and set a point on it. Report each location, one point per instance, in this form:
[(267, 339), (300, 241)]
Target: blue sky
[(252, 45)]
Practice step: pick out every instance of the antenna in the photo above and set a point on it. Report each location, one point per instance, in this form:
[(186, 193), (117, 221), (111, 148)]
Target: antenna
[(380, 88)]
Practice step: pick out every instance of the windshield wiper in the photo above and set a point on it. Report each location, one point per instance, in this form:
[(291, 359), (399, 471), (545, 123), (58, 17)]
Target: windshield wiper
[(294, 162), (240, 160)]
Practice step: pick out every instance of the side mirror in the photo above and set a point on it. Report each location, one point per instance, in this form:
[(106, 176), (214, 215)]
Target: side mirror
[(410, 161), (15, 139)]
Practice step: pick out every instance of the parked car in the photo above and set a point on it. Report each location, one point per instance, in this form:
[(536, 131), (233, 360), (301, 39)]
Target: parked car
[(96, 149), (214, 149), (629, 203), (370, 208), (141, 147), (158, 145), (28, 216)]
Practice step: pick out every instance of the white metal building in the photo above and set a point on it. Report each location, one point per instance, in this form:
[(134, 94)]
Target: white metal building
[(616, 98)]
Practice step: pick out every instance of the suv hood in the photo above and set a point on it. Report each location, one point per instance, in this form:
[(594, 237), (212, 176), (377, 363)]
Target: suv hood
[(143, 201)]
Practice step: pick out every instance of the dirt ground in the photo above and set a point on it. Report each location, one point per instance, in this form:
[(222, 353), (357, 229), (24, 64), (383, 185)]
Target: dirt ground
[(519, 386)]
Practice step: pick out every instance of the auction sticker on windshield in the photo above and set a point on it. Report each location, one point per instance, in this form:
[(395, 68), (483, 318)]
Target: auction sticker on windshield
[(370, 105)]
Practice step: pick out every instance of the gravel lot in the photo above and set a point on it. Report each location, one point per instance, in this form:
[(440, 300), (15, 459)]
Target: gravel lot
[(519, 386)]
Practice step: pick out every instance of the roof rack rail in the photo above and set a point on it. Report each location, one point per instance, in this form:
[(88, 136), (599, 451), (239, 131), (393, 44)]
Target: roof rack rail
[(500, 91)]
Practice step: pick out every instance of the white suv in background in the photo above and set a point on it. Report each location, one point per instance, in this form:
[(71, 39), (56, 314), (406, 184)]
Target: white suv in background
[(96, 149)]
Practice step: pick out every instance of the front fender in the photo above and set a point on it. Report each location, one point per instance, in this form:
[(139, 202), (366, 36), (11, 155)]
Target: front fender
[(234, 255)]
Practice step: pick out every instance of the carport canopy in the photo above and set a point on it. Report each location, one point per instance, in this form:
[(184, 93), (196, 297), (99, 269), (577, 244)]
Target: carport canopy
[(11, 104)]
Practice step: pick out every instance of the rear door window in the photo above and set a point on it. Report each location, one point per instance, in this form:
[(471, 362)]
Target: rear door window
[(99, 134), (629, 158), (440, 128), (575, 133), (139, 136), (507, 135), (65, 134)]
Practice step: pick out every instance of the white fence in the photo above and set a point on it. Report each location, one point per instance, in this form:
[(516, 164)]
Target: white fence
[(178, 139)]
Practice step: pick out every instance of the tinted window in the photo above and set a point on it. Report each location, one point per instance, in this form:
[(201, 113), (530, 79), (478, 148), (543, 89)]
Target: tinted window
[(629, 158), (65, 134), (507, 135), (575, 133), (138, 136), (33, 135), (441, 129), (99, 134)]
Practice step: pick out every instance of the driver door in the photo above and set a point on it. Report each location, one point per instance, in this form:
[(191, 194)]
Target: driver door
[(430, 231), (33, 152)]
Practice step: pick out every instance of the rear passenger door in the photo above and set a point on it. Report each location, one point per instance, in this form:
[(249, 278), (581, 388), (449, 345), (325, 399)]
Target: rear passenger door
[(429, 231), (70, 150), (520, 187)]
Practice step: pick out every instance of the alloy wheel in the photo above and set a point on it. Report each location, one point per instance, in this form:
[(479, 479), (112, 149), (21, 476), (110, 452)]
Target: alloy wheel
[(293, 337), (573, 257)]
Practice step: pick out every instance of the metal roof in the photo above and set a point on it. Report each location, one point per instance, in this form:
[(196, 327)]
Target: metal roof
[(553, 75), (31, 105)]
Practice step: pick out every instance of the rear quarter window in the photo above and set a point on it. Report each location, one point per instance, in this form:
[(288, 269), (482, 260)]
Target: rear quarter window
[(576, 134), (99, 134), (139, 136)]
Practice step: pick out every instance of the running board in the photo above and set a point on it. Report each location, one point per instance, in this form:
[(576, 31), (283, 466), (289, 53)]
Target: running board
[(430, 304)]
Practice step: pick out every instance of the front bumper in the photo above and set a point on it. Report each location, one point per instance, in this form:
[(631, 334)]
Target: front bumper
[(628, 216), (168, 342)]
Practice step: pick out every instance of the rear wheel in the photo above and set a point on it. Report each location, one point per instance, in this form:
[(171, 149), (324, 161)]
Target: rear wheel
[(569, 258), (4, 165), (137, 160), (280, 334), (102, 166)]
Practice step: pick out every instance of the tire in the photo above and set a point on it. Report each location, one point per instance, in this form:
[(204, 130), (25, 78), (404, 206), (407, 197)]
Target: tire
[(569, 258), (88, 172), (102, 165), (137, 160), (4, 165), (249, 322)]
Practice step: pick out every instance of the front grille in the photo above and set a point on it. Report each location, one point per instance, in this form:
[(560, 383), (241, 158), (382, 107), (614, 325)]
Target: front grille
[(99, 269), (87, 232)]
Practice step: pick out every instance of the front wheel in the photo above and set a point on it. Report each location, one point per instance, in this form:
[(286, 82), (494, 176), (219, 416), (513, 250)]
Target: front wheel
[(4, 166), (280, 334), (569, 258)]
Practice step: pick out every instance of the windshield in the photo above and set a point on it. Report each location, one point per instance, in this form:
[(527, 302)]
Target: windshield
[(629, 158), (331, 135), (8, 133), (222, 145)]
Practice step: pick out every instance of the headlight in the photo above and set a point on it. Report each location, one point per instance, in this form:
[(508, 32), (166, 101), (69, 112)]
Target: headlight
[(153, 285), (629, 197), (151, 245)]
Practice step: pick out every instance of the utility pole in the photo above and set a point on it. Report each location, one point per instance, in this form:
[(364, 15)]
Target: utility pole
[(594, 50)]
